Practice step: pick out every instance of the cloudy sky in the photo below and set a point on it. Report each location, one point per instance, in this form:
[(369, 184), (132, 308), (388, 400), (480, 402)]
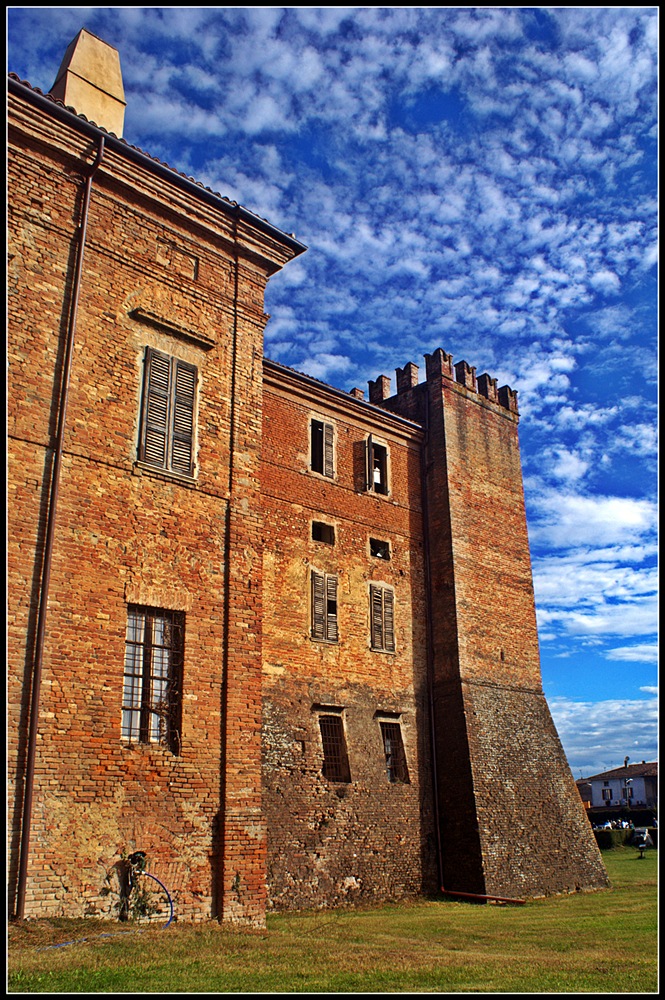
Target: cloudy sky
[(480, 179)]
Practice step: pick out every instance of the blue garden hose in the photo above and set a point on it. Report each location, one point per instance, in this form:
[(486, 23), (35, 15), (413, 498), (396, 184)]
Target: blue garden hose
[(155, 879)]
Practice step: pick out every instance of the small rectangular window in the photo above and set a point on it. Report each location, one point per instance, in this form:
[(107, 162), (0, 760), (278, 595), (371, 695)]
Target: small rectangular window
[(379, 549), (335, 756), (393, 748), (322, 532), (167, 419), (382, 618), (151, 702), (324, 607), (377, 466), (322, 437)]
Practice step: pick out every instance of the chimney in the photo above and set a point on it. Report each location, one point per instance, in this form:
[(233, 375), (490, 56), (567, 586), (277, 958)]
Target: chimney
[(89, 80)]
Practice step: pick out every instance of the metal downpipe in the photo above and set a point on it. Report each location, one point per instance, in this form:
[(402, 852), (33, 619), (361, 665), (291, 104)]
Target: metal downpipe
[(48, 547)]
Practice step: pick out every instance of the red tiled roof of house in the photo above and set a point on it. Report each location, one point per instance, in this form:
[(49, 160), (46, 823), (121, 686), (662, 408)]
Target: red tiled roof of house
[(644, 770)]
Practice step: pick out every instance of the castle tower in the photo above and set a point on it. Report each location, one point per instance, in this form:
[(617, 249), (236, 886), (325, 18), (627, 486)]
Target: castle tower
[(511, 820)]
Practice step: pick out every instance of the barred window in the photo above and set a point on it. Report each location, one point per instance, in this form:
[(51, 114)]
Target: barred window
[(335, 757), (167, 420), (393, 749), (151, 702), (324, 607), (382, 618)]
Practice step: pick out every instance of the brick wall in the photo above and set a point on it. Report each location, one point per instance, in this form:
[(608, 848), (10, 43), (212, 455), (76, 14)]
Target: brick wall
[(240, 815), (511, 819), (167, 270), (330, 842)]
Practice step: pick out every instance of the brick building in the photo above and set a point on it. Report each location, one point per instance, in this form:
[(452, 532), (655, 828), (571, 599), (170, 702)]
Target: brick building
[(277, 636)]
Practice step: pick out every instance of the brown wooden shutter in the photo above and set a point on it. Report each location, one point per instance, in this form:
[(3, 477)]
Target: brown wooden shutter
[(328, 466), (376, 613), (184, 382), (332, 633), (324, 607), (382, 624), (369, 463), (155, 408), (318, 606), (167, 433), (388, 621)]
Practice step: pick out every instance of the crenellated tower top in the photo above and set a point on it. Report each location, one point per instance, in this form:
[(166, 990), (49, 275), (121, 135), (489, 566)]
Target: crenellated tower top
[(439, 365)]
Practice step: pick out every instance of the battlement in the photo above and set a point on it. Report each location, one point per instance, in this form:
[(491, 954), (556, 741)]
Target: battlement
[(439, 365)]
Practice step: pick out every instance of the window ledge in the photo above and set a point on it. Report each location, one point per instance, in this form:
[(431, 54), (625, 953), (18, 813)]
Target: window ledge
[(139, 468), (157, 748)]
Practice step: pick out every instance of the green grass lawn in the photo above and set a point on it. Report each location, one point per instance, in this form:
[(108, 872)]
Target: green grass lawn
[(602, 942)]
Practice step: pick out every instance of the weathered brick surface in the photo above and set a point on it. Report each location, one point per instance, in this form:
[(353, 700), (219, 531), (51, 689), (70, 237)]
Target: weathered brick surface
[(167, 270), (506, 794), (328, 842)]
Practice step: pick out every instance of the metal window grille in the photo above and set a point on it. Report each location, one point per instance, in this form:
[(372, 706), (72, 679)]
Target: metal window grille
[(335, 757), (393, 748), (151, 699)]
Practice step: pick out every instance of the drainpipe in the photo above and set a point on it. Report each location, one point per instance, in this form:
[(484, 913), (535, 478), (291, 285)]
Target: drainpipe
[(430, 640), (48, 545), (219, 894)]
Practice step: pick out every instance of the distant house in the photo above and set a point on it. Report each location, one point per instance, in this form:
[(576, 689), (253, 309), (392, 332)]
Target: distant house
[(634, 785)]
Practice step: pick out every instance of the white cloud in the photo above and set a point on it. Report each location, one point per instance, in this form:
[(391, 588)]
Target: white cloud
[(597, 735), (629, 619), (324, 366), (566, 521), (644, 653), (568, 465), (605, 281)]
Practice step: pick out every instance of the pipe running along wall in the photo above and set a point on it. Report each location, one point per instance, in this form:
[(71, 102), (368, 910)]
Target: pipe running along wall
[(54, 491)]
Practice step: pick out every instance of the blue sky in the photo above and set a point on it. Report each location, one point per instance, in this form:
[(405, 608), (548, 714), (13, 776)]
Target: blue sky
[(478, 179)]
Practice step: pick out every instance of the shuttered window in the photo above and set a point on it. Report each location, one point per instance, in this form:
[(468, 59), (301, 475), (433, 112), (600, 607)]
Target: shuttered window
[(376, 466), (322, 438), (382, 618), (324, 607), (151, 700), (167, 429)]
